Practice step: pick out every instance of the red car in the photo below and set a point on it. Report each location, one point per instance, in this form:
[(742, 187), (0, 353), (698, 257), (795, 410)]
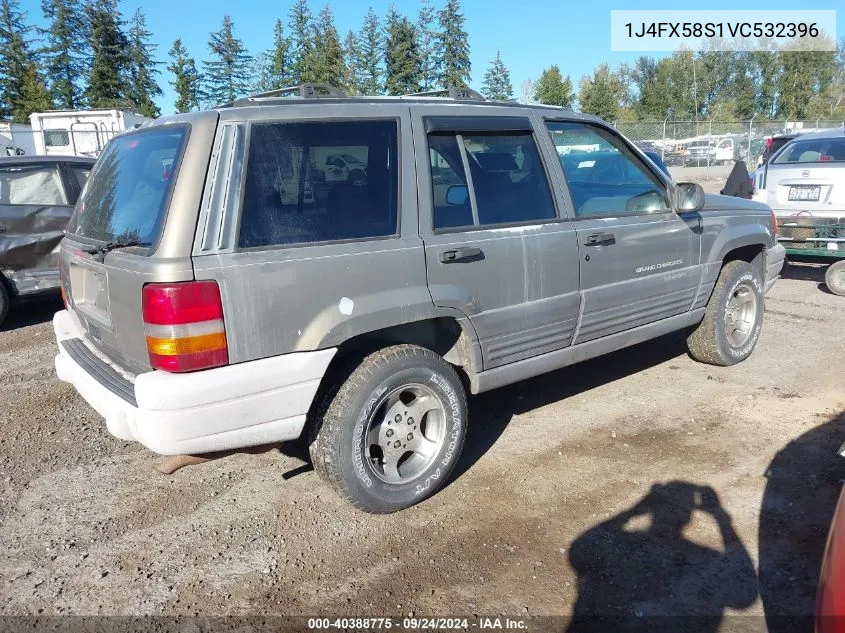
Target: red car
[(830, 600)]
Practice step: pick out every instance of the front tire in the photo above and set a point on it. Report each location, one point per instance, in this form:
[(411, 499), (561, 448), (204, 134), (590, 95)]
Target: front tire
[(834, 278), (733, 319), (392, 432)]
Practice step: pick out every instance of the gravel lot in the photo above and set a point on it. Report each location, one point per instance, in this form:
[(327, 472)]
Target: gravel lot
[(581, 491)]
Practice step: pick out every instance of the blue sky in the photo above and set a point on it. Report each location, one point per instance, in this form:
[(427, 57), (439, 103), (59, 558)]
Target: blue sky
[(531, 34)]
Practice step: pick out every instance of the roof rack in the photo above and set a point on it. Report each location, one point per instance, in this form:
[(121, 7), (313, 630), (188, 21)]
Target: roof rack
[(304, 91), (454, 92)]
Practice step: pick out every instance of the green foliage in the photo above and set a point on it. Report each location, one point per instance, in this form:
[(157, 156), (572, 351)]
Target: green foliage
[(403, 67), (107, 86), (427, 45), (352, 59), (22, 91), (227, 72), (143, 87), (186, 80), (327, 65), (554, 89), (369, 68), (65, 56), (301, 43), (805, 75), (497, 81), (280, 63), (601, 93), (453, 65)]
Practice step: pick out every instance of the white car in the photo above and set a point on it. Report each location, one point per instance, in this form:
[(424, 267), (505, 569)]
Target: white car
[(806, 177)]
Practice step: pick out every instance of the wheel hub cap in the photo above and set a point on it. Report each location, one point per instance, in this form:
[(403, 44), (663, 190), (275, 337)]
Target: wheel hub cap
[(405, 433), (741, 315)]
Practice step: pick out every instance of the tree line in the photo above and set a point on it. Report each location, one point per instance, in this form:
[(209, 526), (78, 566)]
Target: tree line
[(712, 84), (89, 56)]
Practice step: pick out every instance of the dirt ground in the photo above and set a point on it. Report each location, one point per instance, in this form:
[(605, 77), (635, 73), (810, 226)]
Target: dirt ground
[(636, 484)]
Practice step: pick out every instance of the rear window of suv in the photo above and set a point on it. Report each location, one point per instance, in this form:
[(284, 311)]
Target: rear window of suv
[(311, 182), (126, 194), (822, 150)]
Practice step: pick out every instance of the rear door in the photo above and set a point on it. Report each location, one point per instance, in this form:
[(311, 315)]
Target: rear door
[(496, 247), (34, 211), (639, 260)]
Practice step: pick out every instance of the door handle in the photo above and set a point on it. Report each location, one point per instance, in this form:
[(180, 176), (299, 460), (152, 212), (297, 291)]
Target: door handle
[(600, 239), (459, 254)]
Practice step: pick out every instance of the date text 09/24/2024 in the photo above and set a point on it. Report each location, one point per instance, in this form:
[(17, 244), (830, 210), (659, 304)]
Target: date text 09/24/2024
[(417, 623)]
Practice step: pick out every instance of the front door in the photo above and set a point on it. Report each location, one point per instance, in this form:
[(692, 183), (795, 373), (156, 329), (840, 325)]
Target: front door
[(639, 260), (495, 246)]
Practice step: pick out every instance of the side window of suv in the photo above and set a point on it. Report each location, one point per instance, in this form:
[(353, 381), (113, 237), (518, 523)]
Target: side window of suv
[(31, 184), (320, 182), (603, 175), (509, 183)]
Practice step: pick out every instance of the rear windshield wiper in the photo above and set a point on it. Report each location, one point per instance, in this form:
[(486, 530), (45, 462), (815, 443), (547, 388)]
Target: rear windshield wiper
[(102, 249)]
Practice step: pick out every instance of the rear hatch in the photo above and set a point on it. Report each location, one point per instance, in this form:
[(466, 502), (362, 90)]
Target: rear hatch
[(134, 224), (807, 178)]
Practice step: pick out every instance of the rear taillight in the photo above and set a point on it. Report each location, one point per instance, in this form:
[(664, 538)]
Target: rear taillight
[(183, 323), (775, 223), (62, 285)]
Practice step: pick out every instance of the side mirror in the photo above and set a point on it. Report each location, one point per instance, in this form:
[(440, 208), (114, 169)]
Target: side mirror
[(689, 196), (457, 195)]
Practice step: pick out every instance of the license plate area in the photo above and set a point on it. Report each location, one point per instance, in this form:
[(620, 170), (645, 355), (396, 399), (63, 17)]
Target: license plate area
[(805, 193), (90, 292)]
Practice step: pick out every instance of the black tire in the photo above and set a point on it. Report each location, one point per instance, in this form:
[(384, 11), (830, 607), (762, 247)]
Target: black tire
[(4, 301), (339, 447), (834, 278), (716, 342)]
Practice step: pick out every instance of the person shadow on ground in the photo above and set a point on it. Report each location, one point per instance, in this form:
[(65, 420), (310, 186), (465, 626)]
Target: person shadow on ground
[(638, 572)]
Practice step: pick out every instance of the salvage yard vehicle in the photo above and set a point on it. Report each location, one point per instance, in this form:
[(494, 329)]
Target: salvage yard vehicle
[(804, 182), (205, 313), (37, 195)]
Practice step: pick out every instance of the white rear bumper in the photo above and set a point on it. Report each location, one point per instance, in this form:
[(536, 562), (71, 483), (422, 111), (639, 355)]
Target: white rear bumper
[(216, 409)]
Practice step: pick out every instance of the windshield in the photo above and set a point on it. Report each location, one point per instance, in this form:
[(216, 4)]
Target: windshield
[(125, 196), (820, 150)]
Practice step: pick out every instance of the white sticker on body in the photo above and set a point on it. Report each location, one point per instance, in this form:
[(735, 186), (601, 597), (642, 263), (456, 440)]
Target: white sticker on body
[(346, 306)]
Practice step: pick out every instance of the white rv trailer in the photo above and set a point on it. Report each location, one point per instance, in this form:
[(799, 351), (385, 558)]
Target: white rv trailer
[(79, 132)]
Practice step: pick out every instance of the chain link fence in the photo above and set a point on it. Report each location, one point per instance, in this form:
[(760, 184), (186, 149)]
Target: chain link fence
[(15, 141), (707, 150)]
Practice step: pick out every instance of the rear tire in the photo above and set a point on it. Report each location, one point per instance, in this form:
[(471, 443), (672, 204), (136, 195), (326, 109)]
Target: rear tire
[(391, 433), (834, 278), (4, 301), (733, 319)]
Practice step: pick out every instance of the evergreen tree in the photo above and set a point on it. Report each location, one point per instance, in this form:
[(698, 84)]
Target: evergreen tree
[(301, 43), (280, 63), (227, 73), (352, 63), (65, 55), (109, 45), (497, 81), (260, 73), (186, 80), (452, 47), (143, 87), (427, 45), (554, 89), (22, 91), (403, 67), (601, 93), (328, 64), (369, 67)]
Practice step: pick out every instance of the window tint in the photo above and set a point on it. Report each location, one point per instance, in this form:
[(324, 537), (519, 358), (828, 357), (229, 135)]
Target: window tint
[(127, 191), (31, 184), (603, 175), (508, 180), (80, 174), (56, 138), (317, 182), (823, 150)]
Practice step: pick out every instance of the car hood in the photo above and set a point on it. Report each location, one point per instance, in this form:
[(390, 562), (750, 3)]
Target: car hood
[(716, 202)]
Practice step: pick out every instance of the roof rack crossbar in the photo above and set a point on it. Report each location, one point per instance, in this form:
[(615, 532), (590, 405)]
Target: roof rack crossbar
[(453, 92), (305, 91)]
